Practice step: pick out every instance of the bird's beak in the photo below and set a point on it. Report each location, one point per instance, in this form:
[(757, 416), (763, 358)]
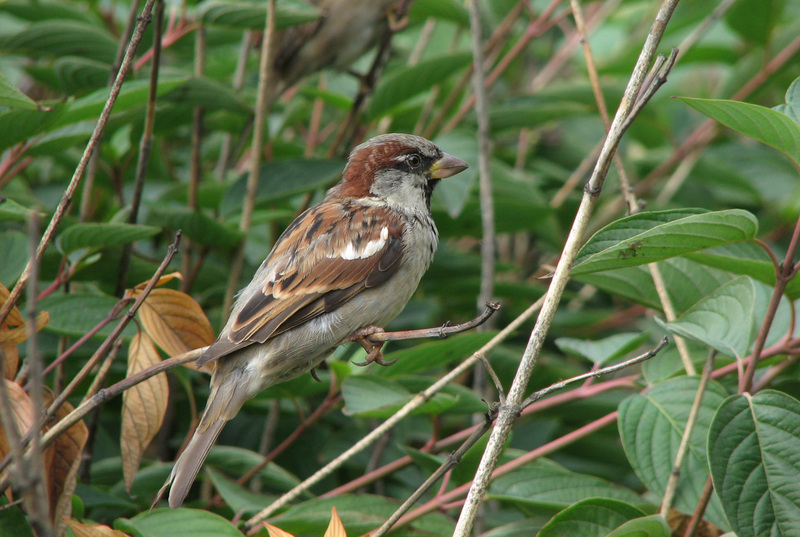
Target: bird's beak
[(447, 166)]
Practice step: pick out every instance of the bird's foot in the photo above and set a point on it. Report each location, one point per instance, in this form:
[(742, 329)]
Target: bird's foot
[(373, 348)]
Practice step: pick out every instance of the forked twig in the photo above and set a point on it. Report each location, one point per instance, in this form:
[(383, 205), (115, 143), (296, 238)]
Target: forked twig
[(441, 332)]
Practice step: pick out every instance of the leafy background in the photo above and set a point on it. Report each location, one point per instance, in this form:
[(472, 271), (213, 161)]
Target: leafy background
[(718, 206)]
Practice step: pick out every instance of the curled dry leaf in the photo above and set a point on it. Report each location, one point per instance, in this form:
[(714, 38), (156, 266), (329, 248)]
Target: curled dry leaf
[(143, 406), (166, 278), (175, 322), (62, 460), (276, 532), (13, 332), (93, 530), (335, 528), (22, 408)]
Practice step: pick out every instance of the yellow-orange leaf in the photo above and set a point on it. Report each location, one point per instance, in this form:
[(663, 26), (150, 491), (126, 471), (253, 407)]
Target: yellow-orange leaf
[(276, 532), (166, 278), (22, 408), (18, 335), (143, 406), (10, 359), (15, 317), (335, 528), (93, 530), (175, 321), (62, 460)]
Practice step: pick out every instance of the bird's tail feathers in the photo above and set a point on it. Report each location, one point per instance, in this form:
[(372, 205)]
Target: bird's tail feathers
[(223, 404)]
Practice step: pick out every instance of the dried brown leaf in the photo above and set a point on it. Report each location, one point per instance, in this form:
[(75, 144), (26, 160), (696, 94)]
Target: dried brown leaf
[(10, 359), (15, 317), (166, 278), (276, 532), (93, 530), (15, 336), (175, 322), (143, 406), (62, 460), (22, 407), (335, 528)]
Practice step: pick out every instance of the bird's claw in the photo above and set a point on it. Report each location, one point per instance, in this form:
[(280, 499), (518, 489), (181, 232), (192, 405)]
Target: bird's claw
[(373, 348)]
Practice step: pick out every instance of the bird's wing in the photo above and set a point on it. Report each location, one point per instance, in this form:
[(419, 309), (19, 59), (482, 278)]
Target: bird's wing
[(325, 257)]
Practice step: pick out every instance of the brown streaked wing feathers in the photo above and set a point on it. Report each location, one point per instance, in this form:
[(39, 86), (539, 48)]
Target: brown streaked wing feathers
[(308, 283)]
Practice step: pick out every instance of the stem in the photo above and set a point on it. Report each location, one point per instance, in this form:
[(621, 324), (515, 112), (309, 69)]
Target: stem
[(260, 123), (510, 411), (672, 482)]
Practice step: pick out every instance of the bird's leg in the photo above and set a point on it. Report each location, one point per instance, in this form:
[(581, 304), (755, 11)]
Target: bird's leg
[(373, 348)]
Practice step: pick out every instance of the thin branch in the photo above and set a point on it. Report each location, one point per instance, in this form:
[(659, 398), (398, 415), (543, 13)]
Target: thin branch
[(674, 476), (702, 504), (510, 411), (441, 332), (69, 193), (478, 431), (260, 122), (484, 156), (407, 409), (145, 145)]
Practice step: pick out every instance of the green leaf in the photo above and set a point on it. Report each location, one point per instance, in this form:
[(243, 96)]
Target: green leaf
[(595, 517), (184, 522), (604, 350), (768, 126), (545, 484), (251, 15), (755, 21), (369, 396), (14, 245), (61, 38), (239, 499), (455, 191), (649, 526), (12, 97), (447, 10), (402, 84), (196, 225), (754, 453), (792, 106), (78, 75), (133, 93), (360, 513), (207, 93), (529, 113), (76, 314), (647, 237), (281, 179), (13, 521), (11, 211), (18, 125), (729, 319), (44, 10), (433, 355), (651, 426), (746, 259), (95, 235)]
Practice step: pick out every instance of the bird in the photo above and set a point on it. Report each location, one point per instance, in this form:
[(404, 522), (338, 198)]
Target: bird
[(339, 273)]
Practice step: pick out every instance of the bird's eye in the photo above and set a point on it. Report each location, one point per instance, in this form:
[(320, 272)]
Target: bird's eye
[(414, 160)]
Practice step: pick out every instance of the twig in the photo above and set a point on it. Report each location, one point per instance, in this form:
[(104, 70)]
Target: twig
[(510, 411), (145, 145), (105, 347), (484, 156), (787, 272), (697, 516), (441, 332), (407, 409), (674, 476), (477, 432), (66, 199), (195, 166), (260, 120)]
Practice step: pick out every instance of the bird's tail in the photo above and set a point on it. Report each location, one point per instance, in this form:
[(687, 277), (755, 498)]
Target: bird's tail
[(223, 404)]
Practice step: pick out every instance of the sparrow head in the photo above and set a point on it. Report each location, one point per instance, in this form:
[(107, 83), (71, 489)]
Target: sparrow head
[(400, 169)]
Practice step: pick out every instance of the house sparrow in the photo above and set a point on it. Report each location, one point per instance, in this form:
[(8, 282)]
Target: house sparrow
[(343, 268)]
